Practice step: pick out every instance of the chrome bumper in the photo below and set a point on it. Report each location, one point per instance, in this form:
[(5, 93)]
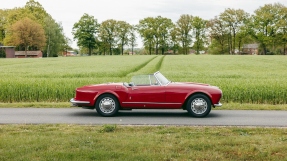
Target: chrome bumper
[(217, 105), (77, 103)]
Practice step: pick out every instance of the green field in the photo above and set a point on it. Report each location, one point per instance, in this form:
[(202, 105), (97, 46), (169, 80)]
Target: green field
[(243, 79), (248, 82)]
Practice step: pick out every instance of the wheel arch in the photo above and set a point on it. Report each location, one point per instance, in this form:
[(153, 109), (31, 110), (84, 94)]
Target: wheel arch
[(195, 93), (108, 92)]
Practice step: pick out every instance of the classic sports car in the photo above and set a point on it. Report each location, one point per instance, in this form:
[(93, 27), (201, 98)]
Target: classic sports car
[(151, 91)]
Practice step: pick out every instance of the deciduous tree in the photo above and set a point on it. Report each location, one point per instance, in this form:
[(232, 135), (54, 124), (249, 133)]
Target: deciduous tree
[(37, 11), (155, 32), (53, 30), (3, 21), (218, 35), (233, 20), (174, 40), (165, 26), (85, 32), (264, 25), (133, 38), (55, 37), (184, 29), (281, 28), (199, 26), (147, 32), (27, 33), (123, 31), (108, 34)]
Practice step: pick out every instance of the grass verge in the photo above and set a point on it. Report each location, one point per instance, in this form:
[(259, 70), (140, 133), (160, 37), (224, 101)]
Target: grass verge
[(226, 106), (36, 105), (112, 142)]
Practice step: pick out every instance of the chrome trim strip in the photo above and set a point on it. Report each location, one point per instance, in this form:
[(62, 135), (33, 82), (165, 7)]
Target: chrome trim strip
[(218, 105), (78, 102), (151, 103)]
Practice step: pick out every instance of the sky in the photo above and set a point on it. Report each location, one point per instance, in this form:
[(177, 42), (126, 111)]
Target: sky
[(68, 12)]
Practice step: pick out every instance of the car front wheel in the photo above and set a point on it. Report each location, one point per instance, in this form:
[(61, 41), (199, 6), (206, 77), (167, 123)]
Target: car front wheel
[(198, 105), (107, 105)]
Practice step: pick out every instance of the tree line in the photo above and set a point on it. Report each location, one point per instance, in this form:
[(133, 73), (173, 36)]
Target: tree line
[(226, 33)]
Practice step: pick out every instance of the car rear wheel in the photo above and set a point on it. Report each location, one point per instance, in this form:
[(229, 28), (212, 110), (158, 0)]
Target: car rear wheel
[(107, 105), (198, 105)]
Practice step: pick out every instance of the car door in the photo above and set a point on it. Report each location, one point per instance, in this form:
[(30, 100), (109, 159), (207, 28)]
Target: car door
[(175, 95), (149, 96)]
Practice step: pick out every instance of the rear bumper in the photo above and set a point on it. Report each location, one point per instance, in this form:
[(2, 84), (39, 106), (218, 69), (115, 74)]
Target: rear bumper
[(217, 105), (79, 103)]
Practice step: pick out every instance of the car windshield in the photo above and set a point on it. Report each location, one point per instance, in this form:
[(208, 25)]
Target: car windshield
[(144, 80), (155, 79)]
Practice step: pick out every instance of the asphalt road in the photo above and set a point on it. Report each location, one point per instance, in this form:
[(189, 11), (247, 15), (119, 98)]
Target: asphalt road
[(142, 117)]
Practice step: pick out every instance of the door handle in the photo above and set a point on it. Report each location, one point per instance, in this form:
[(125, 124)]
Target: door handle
[(134, 88)]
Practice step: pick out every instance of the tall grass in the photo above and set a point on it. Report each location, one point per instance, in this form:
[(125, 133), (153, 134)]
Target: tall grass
[(55, 79), (243, 79), (248, 79)]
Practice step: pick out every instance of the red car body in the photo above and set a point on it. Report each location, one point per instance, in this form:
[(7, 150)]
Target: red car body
[(161, 95)]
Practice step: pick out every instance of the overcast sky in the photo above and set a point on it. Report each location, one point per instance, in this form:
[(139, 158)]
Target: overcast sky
[(69, 12)]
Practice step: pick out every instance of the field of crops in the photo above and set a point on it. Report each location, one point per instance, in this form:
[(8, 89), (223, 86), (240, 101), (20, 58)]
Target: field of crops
[(243, 79)]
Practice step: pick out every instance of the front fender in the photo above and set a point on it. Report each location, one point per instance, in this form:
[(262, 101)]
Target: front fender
[(198, 92), (104, 92)]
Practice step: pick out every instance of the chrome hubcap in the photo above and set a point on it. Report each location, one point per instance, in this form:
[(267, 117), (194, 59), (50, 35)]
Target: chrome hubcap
[(198, 106), (107, 105)]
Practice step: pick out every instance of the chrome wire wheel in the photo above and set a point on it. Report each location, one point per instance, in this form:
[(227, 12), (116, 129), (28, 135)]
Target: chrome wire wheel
[(199, 106), (107, 105)]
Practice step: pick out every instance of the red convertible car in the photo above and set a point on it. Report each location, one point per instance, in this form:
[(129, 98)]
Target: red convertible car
[(152, 91)]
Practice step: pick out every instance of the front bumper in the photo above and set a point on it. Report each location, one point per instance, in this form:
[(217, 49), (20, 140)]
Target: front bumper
[(79, 103), (217, 105)]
